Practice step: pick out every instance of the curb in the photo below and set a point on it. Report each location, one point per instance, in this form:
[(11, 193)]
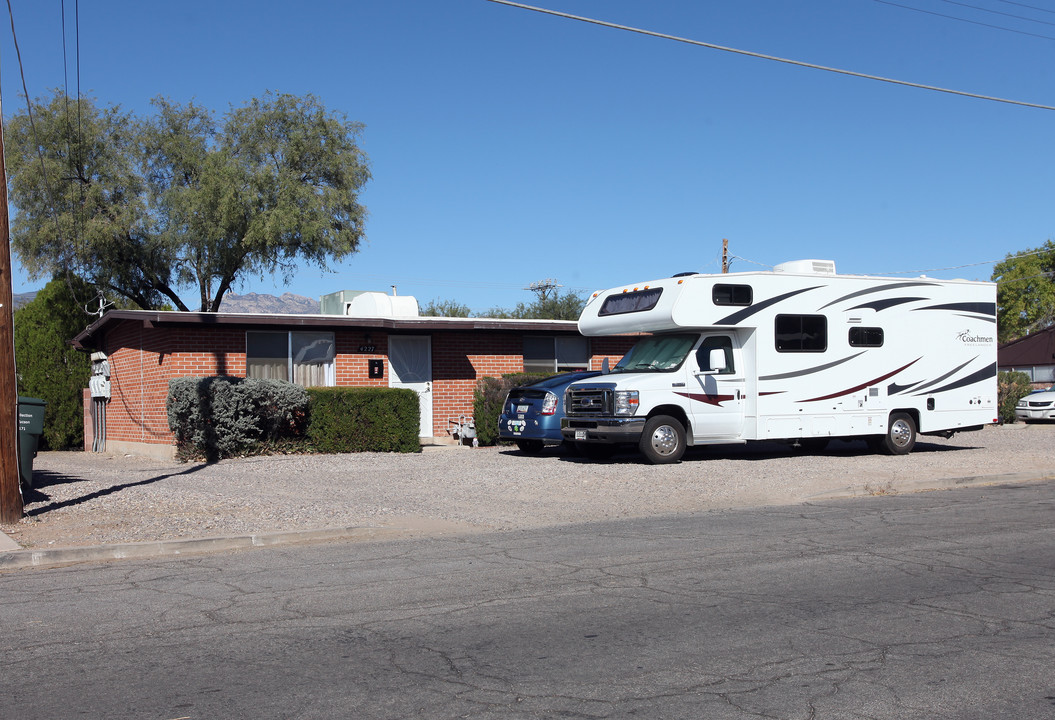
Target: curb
[(193, 546), (12, 557), (915, 486)]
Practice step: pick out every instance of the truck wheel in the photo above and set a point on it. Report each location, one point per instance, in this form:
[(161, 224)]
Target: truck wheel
[(900, 436), (530, 447), (663, 440)]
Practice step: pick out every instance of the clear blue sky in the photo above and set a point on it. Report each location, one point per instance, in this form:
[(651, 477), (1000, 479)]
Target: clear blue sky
[(509, 147)]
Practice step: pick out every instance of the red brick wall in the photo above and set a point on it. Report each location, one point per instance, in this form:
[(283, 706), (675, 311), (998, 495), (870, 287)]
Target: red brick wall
[(143, 360)]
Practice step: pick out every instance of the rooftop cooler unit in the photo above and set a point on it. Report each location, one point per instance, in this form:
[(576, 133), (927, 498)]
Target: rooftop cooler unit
[(366, 304)]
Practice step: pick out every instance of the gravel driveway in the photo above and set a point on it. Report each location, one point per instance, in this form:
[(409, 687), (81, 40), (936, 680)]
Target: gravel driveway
[(90, 499)]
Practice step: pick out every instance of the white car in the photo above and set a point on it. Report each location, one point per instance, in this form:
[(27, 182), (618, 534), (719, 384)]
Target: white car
[(1036, 406)]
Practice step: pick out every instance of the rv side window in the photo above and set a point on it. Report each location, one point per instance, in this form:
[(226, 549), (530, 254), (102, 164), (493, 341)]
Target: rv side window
[(801, 333), (866, 337), (716, 342), (732, 295), (630, 302)]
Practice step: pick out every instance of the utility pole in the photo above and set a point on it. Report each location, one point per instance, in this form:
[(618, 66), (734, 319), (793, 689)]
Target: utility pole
[(725, 256), (542, 288), (10, 493)]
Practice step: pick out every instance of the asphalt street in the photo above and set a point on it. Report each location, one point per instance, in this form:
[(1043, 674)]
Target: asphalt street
[(931, 605)]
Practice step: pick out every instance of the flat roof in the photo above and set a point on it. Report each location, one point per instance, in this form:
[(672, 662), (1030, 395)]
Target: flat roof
[(92, 336)]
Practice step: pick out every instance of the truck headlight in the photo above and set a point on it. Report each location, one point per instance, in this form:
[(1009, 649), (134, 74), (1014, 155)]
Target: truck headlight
[(626, 402)]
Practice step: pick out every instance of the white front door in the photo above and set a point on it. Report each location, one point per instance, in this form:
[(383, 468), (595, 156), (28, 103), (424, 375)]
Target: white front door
[(410, 361), (718, 407)]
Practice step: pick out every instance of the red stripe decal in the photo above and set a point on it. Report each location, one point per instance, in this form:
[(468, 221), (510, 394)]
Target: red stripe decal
[(862, 386), (716, 400)]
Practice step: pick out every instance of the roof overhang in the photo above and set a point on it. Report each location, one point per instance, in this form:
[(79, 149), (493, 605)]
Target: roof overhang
[(92, 337)]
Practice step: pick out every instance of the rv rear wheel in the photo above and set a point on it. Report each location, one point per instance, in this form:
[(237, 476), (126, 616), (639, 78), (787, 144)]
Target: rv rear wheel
[(900, 436), (663, 440)]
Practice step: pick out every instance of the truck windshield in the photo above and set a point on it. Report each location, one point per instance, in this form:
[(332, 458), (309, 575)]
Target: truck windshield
[(657, 353)]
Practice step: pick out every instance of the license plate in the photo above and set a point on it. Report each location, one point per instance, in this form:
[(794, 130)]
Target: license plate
[(523, 408), (580, 434)]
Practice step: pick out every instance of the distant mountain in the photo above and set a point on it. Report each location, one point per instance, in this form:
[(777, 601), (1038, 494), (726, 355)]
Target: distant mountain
[(288, 304), (20, 299)]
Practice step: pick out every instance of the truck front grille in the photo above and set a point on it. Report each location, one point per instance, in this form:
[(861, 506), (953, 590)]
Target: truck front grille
[(589, 401)]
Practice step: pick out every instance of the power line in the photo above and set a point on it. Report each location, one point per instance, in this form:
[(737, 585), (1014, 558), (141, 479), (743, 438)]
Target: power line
[(774, 58), (965, 20), (960, 267), (997, 12), (1031, 7)]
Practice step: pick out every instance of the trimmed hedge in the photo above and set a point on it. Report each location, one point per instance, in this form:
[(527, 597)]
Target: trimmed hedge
[(488, 396), (218, 417), (358, 419)]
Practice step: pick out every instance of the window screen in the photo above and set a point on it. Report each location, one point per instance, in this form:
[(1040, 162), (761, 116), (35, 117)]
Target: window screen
[(801, 333), (267, 355), (305, 358), (866, 337), (556, 354), (732, 295)]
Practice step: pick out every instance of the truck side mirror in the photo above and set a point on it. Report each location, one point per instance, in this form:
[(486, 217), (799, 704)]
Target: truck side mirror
[(716, 361)]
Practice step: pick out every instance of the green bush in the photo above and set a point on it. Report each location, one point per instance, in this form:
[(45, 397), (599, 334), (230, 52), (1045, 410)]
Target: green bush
[(488, 396), (1011, 387), (48, 366), (218, 417), (358, 419)]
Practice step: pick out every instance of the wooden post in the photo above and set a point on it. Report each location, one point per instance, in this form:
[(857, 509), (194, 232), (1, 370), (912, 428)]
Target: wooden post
[(10, 493), (725, 256)]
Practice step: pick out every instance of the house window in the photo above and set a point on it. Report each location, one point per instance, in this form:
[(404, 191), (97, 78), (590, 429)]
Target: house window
[(732, 294), (556, 354), (866, 337), (801, 333), (305, 358)]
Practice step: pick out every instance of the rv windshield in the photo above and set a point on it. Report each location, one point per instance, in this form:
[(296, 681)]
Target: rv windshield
[(657, 353)]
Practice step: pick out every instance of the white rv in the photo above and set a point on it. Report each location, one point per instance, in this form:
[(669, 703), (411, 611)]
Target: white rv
[(799, 354)]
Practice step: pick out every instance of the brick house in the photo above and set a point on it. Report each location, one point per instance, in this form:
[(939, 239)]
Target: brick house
[(440, 358), (1033, 355)]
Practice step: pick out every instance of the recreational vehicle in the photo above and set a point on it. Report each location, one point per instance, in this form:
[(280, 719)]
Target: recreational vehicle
[(797, 354)]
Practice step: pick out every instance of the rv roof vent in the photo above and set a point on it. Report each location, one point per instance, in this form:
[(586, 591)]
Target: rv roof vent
[(807, 267)]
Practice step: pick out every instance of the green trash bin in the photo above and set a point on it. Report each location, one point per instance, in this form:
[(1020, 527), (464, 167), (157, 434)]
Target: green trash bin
[(30, 428)]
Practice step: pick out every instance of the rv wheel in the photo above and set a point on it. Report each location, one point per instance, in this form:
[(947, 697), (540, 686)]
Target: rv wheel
[(900, 436), (663, 440)]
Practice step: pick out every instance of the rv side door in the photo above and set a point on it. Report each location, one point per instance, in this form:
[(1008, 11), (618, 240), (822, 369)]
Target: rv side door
[(717, 400)]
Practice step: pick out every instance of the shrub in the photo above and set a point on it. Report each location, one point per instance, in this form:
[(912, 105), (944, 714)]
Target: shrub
[(48, 366), (361, 419), (1011, 387), (488, 397), (218, 417)]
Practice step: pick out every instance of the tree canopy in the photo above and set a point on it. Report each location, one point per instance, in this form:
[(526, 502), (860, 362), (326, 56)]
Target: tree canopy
[(1025, 295), (48, 366), (558, 306), (144, 207)]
